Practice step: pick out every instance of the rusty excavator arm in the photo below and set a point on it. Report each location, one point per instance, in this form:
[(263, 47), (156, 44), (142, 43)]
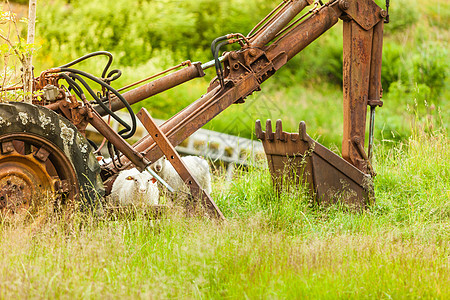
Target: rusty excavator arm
[(266, 50)]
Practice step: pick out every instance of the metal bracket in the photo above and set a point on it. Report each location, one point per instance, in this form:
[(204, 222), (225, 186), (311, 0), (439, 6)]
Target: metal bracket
[(372, 103), (365, 12), (359, 147)]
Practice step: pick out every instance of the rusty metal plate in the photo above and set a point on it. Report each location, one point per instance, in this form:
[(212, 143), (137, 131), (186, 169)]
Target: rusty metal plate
[(365, 12)]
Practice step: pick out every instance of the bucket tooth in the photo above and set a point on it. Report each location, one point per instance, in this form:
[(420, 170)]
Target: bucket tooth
[(269, 132), (279, 134), (260, 134), (302, 131), (330, 178)]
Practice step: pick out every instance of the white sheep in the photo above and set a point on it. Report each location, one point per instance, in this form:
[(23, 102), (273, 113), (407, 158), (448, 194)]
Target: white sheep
[(198, 167), (134, 187)]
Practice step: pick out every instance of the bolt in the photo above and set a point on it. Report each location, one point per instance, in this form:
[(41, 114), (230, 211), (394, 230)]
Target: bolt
[(9, 149), (234, 55), (252, 52), (22, 186), (344, 5), (8, 182), (383, 13)]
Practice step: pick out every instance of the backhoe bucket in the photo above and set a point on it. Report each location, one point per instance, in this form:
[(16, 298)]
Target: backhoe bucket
[(300, 159)]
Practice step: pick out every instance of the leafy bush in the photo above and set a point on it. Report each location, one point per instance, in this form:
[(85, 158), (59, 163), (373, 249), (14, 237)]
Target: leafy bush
[(426, 70), (136, 31), (430, 65)]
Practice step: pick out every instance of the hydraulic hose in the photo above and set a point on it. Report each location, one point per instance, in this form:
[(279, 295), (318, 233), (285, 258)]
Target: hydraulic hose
[(105, 107), (131, 130), (78, 60), (215, 52), (218, 64), (117, 73), (73, 85), (216, 40)]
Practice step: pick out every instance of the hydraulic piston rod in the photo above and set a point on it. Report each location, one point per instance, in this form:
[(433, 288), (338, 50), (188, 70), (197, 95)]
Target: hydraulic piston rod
[(267, 35)]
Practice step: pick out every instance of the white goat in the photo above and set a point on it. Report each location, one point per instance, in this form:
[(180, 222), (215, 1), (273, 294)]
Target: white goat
[(134, 187), (198, 167)]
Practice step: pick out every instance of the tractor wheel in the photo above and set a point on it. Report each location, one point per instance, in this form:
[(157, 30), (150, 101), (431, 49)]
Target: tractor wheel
[(43, 155)]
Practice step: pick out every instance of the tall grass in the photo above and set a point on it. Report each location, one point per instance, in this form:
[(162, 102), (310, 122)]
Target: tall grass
[(272, 246)]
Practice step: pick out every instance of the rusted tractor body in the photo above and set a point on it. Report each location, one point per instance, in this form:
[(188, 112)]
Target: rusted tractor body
[(59, 158)]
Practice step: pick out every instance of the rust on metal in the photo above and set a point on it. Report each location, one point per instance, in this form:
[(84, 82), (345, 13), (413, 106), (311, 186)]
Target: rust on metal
[(361, 87), (356, 71), (134, 156), (184, 63), (375, 89), (174, 158), (300, 36), (357, 143), (189, 120), (273, 14), (300, 159), (366, 13), (30, 167)]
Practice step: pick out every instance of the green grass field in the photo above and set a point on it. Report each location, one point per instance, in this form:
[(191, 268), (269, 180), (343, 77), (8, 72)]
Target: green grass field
[(270, 247)]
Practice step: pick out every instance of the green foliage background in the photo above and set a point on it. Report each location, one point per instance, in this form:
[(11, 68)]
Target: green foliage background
[(147, 36)]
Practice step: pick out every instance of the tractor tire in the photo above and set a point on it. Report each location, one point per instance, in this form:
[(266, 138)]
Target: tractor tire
[(42, 153)]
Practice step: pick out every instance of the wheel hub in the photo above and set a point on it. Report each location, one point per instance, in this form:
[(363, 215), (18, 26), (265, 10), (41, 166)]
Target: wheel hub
[(32, 169), (14, 192), (23, 177)]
